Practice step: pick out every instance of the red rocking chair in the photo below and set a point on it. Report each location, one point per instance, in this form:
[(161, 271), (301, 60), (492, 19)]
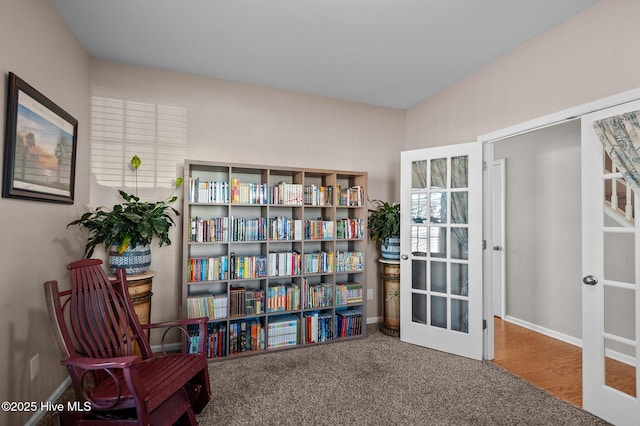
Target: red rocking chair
[(97, 330)]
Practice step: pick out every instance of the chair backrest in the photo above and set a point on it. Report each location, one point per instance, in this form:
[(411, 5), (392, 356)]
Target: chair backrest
[(95, 318)]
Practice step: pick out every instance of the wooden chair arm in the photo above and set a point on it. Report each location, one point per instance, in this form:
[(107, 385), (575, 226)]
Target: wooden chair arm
[(101, 363), (178, 323), (182, 324)]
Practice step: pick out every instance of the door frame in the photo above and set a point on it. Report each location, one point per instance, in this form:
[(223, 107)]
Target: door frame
[(487, 141), (499, 277)]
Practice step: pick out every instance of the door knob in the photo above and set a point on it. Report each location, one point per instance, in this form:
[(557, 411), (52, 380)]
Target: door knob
[(405, 257), (497, 248), (590, 280)]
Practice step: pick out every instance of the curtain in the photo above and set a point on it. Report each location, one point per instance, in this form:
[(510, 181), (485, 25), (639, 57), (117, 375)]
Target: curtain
[(620, 136)]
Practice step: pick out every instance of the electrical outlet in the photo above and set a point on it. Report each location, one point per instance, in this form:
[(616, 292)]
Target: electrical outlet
[(369, 294), (35, 366)]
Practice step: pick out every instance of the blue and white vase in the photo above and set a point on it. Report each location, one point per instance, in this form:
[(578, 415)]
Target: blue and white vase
[(135, 260), (390, 248)]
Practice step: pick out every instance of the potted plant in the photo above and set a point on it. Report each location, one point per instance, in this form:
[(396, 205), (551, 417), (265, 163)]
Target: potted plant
[(127, 229), (384, 226)]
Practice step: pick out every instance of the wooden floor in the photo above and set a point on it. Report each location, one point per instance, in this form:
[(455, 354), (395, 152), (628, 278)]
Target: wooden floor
[(551, 364)]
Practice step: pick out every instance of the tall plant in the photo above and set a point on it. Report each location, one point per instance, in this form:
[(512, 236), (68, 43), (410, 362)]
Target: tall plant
[(384, 220)]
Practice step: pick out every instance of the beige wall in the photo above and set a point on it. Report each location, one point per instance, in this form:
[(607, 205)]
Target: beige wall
[(38, 47), (543, 228), (237, 123), (587, 57)]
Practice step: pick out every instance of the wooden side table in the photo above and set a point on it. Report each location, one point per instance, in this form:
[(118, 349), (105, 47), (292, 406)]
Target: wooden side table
[(391, 294)]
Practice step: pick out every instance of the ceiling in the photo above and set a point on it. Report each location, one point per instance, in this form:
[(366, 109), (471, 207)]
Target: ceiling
[(392, 53)]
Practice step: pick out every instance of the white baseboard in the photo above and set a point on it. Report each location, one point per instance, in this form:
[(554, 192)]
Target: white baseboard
[(374, 320), (53, 398), (546, 331)]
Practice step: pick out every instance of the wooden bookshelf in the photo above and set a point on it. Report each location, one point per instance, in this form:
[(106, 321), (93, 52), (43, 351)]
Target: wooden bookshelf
[(274, 256)]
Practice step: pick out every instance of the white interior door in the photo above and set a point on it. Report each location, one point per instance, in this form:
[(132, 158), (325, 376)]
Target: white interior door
[(497, 244), (441, 249), (611, 271)]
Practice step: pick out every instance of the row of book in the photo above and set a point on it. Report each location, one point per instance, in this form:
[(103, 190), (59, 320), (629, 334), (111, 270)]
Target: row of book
[(206, 191), (285, 330), (349, 261), (208, 268), (280, 298), (318, 296), (212, 306), (317, 327), (283, 193), (283, 297), (350, 228), (222, 229), (246, 335), (216, 344), (284, 263), (318, 262), (243, 301), (274, 264), (318, 229), (348, 322), (348, 293), (228, 229)]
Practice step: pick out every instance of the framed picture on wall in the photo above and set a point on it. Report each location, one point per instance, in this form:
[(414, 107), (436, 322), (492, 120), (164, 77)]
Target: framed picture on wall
[(39, 147)]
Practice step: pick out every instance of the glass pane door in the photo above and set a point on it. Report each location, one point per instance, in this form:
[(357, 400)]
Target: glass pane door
[(435, 242)]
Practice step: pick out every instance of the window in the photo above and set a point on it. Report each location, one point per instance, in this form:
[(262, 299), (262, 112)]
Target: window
[(122, 128)]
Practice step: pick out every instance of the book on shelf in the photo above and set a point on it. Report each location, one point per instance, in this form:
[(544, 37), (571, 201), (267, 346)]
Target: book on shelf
[(348, 322), (246, 335), (284, 263), (350, 229), (208, 268), (318, 262), (245, 267), (286, 194), (248, 192), (317, 326), (283, 297), (318, 229), (211, 306), (349, 261), (206, 191), (348, 293), (318, 295), (352, 197), (282, 331), (243, 301)]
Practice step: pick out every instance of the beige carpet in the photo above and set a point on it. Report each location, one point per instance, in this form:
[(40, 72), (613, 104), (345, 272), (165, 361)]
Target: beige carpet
[(377, 381)]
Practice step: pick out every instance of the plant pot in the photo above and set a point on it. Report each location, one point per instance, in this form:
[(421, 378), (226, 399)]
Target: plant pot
[(390, 248), (135, 260)]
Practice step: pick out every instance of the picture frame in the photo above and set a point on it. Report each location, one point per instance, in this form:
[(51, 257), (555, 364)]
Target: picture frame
[(39, 147)]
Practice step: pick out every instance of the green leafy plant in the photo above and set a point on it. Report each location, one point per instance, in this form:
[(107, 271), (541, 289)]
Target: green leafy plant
[(384, 220), (130, 223)]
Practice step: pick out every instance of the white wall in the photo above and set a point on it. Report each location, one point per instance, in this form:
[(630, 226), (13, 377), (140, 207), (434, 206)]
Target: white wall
[(237, 123), (38, 47)]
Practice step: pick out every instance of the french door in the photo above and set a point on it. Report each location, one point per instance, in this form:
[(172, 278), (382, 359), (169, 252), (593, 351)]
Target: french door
[(441, 249), (611, 276)]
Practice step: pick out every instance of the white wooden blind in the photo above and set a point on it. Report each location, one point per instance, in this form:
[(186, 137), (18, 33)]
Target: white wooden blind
[(122, 128)]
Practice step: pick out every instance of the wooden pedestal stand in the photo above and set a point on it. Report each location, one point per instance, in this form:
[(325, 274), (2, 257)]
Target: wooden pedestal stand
[(140, 293), (391, 295)]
